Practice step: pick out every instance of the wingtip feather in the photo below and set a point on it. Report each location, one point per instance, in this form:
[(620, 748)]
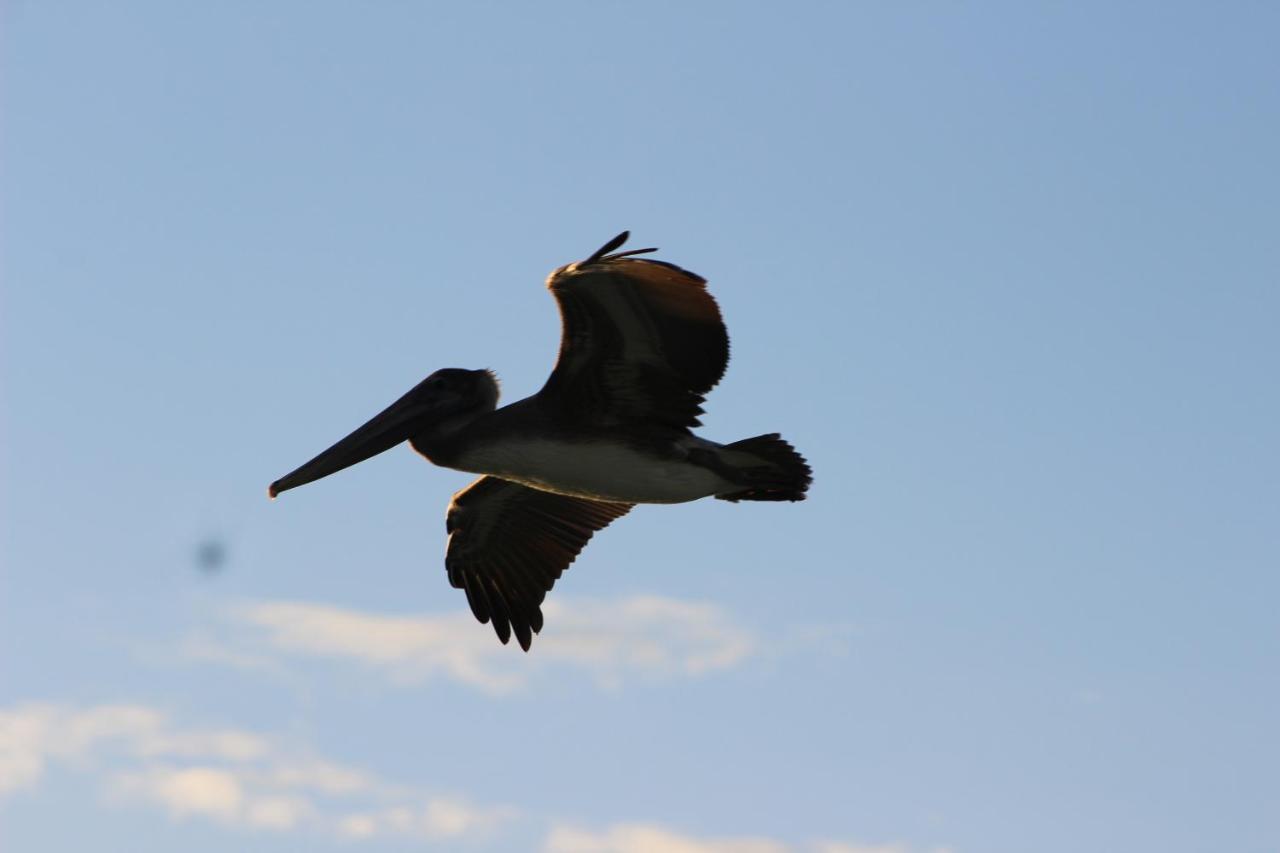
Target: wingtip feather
[(615, 243)]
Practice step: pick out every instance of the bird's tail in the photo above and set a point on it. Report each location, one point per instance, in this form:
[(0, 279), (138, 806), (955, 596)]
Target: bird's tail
[(769, 468)]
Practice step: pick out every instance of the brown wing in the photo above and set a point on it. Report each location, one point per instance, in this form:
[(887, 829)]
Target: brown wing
[(642, 341), (509, 543)]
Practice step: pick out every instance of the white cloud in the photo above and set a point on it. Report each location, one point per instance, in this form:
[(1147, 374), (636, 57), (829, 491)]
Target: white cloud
[(32, 735), (651, 838), (206, 791), (22, 756), (647, 838), (439, 820), (280, 813), (230, 776), (453, 819), (646, 635), (643, 637), (894, 847), (317, 775), (250, 781), (229, 745)]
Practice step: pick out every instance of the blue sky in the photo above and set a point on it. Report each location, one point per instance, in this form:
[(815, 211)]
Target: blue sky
[(1006, 273)]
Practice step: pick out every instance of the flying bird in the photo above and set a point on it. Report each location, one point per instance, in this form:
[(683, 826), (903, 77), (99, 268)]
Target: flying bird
[(642, 342)]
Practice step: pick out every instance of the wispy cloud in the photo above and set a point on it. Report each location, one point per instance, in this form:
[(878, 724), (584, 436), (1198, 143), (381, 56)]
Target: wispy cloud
[(652, 838), (32, 736), (230, 776), (648, 838), (440, 820), (249, 781), (639, 638), (894, 847)]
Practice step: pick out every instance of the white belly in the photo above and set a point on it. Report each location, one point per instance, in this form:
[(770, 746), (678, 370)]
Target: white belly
[(613, 472)]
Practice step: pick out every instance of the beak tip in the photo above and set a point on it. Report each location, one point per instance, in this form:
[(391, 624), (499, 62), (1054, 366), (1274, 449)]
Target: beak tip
[(272, 490)]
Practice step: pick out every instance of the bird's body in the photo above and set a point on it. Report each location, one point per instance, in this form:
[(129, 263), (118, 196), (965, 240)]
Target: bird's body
[(608, 468), (525, 444), (642, 343)]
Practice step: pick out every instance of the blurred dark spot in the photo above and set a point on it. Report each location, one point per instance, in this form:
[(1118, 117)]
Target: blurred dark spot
[(211, 555)]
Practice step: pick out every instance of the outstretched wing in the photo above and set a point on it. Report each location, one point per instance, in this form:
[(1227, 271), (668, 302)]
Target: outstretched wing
[(642, 341), (509, 543)]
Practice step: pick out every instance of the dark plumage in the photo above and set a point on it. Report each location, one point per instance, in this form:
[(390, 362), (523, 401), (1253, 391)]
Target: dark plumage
[(642, 343)]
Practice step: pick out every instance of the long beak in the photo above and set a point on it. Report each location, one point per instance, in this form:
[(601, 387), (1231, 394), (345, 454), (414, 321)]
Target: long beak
[(396, 423)]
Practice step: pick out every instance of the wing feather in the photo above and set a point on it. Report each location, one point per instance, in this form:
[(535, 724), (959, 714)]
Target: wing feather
[(508, 544), (642, 341)]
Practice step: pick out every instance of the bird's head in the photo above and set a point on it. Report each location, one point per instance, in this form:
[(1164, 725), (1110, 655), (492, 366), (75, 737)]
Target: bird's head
[(435, 408)]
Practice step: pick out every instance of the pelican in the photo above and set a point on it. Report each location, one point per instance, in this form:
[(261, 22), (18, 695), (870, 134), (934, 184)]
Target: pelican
[(642, 342)]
